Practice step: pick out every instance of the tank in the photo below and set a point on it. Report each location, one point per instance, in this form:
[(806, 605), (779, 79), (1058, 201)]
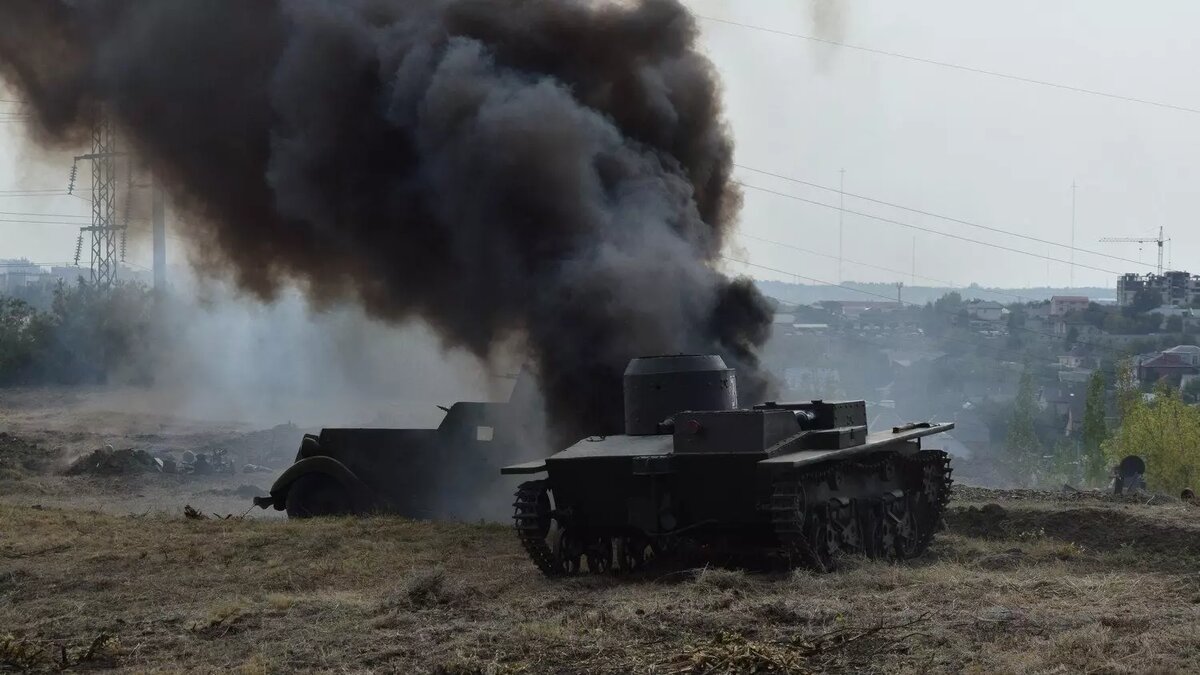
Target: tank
[(797, 484)]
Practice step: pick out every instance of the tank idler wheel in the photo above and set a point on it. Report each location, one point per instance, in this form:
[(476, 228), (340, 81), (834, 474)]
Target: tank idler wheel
[(568, 553)]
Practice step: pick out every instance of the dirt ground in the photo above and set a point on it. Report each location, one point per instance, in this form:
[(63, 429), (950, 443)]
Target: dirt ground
[(107, 573)]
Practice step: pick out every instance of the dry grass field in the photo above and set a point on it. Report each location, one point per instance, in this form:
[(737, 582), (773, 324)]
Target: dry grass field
[(1032, 585), (107, 573)]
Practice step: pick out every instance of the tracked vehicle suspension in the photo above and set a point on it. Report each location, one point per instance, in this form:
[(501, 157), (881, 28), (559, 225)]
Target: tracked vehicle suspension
[(817, 515)]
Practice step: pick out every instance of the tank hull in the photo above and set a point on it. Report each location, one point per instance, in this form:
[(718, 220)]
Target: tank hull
[(798, 484)]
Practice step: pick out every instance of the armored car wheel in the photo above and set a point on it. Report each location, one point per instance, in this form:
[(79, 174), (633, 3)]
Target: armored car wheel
[(315, 494)]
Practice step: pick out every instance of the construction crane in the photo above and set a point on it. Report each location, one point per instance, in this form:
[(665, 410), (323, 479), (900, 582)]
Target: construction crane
[(1143, 240)]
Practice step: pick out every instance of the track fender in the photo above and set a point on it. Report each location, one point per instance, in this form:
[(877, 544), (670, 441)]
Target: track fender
[(359, 492)]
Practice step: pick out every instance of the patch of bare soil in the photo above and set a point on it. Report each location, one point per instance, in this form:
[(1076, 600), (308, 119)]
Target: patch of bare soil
[(20, 459)]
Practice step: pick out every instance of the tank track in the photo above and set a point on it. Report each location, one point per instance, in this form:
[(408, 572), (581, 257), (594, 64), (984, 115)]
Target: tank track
[(815, 515), (532, 526), (816, 519)]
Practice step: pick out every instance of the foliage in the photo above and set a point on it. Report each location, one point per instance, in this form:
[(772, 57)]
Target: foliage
[(1095, 431), (1144, 301), (1128, 393), (86, 336), (1174, 324), (1138, 324), (22, 331), (1191, 391), (1072, 337), (1023, 449), (1166, 433)]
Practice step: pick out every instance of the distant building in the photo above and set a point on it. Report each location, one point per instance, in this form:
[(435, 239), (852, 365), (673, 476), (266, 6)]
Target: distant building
[(985, 310), (1188, 353), (854, 309), (1062, 305), (17, 274), (1167, 365), (1177, 289)]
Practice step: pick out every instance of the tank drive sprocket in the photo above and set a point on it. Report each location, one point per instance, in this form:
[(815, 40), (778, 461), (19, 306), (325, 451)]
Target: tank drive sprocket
[(532, 518)]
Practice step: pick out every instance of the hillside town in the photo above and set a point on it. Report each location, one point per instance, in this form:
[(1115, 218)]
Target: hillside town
[(964, 360)]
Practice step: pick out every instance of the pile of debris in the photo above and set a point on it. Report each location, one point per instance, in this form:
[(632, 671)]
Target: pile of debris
[(200, 463), (109, 462)]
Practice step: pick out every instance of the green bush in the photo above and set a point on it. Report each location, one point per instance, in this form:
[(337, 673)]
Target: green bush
[(1166, 433)]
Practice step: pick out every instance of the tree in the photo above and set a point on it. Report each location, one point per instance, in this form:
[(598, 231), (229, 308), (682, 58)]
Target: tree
[(1166, 433), (1022, 447), (1128, 392), (1191, 391), (1072, 337), (1175, 324), (1144, 301), (1095, 431)]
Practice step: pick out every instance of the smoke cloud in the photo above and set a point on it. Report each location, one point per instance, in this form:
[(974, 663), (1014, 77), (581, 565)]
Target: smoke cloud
[(550, 173)]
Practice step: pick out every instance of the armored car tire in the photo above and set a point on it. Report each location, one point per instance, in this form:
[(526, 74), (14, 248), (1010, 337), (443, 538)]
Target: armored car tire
[(315, 494)]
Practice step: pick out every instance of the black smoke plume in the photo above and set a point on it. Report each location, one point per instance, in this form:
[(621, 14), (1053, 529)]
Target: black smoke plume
[(555, 172)]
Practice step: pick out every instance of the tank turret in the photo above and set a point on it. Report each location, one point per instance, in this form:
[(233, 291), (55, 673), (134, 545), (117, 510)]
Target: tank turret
[(658, 387)]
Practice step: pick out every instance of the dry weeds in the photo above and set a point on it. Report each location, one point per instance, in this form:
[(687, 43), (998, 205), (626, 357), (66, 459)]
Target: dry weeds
[(385, 594)]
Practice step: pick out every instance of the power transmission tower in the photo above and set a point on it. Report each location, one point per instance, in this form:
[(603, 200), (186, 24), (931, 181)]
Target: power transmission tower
[(108, 236)]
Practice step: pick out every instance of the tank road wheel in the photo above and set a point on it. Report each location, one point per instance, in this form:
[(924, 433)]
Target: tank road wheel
[(902, 538), (315, 494), (533, 514), (568, 553), (634, 553), (600, 556), (845, 528), (821, 541)]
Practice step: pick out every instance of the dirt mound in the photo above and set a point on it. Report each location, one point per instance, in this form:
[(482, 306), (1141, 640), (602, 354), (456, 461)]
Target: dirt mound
[(20, 458), (1066, 494), (109, 462), (1098, 529)]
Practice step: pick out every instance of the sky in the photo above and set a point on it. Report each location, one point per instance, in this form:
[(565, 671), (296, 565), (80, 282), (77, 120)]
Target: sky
[(978, 148)]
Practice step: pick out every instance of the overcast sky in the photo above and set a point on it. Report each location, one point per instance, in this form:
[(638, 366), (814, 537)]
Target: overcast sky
[(987, 150)]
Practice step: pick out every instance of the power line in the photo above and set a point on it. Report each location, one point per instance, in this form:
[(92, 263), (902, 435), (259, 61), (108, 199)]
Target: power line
[(41, 222), (939, 216), (877, 267), (925, 229), (955, 66), (45, 215)]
